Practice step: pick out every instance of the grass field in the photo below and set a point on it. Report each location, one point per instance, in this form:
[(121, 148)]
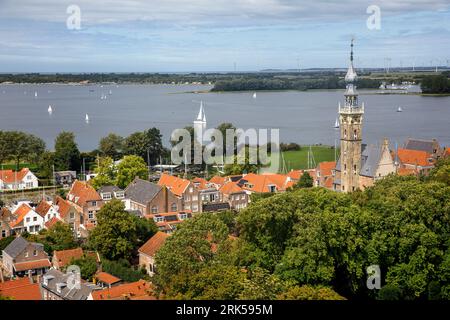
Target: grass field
[(299, 159)]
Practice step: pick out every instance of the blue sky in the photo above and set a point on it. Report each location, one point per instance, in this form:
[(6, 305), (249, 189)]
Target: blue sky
[(212, 35)]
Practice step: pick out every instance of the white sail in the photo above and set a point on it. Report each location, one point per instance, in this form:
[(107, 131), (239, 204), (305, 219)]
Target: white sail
[(50, 110), (336, 124), (87, 118), (254, 95), (35, 94), (399, 109)]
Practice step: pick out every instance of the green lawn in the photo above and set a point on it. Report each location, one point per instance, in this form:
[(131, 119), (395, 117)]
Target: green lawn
[(299, 159), (12, 166)]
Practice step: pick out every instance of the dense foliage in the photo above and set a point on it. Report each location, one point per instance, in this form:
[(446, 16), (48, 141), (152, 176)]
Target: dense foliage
[(436, 84), (313, 243), (18, 146)]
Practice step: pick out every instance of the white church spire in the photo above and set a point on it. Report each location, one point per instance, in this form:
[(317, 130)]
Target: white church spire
[(200, 124)]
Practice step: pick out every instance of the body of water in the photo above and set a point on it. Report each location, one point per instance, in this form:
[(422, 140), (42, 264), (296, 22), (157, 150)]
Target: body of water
[(302, 117)]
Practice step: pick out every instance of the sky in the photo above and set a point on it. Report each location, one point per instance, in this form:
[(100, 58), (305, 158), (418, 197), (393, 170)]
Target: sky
[(219, 35)]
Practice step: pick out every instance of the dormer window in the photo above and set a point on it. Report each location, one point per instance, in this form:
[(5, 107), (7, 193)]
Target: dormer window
[(158, 219), (106, 196), (120, 194), (182, 216), (272, 188)]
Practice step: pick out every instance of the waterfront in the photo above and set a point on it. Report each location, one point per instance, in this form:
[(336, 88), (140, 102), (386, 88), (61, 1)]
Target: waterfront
[(302, 117)]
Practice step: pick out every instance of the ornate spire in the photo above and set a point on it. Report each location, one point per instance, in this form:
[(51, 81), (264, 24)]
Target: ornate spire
[(351, 75), (201, 113)]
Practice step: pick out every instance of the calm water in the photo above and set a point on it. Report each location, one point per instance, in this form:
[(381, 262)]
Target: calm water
[(302, 117)]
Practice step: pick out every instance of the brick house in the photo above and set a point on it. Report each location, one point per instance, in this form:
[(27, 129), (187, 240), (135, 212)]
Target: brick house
[(149, 198), (148, 251), (420, 162), (62, 258), (70, 214), (167, 221), (87, 200), (184, 190), (21, 257), (324, 176), (234, 195)]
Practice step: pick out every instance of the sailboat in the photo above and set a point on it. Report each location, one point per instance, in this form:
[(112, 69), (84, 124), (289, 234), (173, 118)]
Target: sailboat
[(35, 94), (110, 92), (336, 124), (399, 109), (50, 110), (87, 118), (254, 95)]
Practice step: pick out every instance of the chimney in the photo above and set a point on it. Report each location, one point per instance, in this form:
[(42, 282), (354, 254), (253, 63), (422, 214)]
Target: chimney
[(60, 286)]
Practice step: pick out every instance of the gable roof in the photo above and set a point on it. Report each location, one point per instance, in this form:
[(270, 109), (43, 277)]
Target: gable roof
[(55, 277), (141, 191), (421, 145), (326, 167), (20, 289), (63, 257), (31, 265), (107, 278), (42, 208), (200, 183), (63, 206), (132, 290), (50, 223), (10, 176), (153, 244), (295, 174), (230, 188), (16, 247), (174, 184), (414, 157), (20, 214), (218, 180), (81, 192)]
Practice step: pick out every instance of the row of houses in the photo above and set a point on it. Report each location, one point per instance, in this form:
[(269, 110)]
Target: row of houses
[(37, 277)]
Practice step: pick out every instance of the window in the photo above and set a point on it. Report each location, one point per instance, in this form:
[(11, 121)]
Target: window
[(28, 219), (106, 196), (91, 215), (35, 253), (194, 208), (29, 177), (194, 198), (94, 203), (120, 194), (173, 207), (272, 188), (182, 216), (355, 135), (191, 189), (3, 233), (72, 215), (29, 185), (243, 197), (154, 209), (34, 219), (158, 219), (26, 254)]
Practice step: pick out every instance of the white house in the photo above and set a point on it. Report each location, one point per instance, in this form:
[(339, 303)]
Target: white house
[(48, 210), (26, 219), (18, 180)]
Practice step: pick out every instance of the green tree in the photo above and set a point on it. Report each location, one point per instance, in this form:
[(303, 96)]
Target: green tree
[(306, 181), (46, 163), (441, 172), (309, 293), (67, 155), (115, 234), (261, 285), (60, 237), (147, 144), (129, 168), (112, 146), (88, 267), (106, 172), (18, 146), (189, 249)]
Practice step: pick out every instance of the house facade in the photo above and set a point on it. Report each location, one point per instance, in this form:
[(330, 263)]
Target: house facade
[(6, 218), (184, 190), (149, 198), (23, 258), (26, 219), (55, 285), (18, 180), (148, 251), (87, 201)]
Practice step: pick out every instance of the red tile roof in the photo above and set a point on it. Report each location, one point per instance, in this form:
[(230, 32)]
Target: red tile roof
[(406, 172), (30, 265), (176, 185), (9, 176), (326, 168), (200, 183), (50, 223), (230, 187), (295, 174), (43, 208), (107, 278), (134, 290), (20, 289), (63, 206), (20, 214), (81, 192), (63, 257), (261, 182), (414, 157), (218, 180), (153, 244)]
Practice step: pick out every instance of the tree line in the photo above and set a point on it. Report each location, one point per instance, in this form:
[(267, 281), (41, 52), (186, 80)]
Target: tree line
[(438, 84)]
